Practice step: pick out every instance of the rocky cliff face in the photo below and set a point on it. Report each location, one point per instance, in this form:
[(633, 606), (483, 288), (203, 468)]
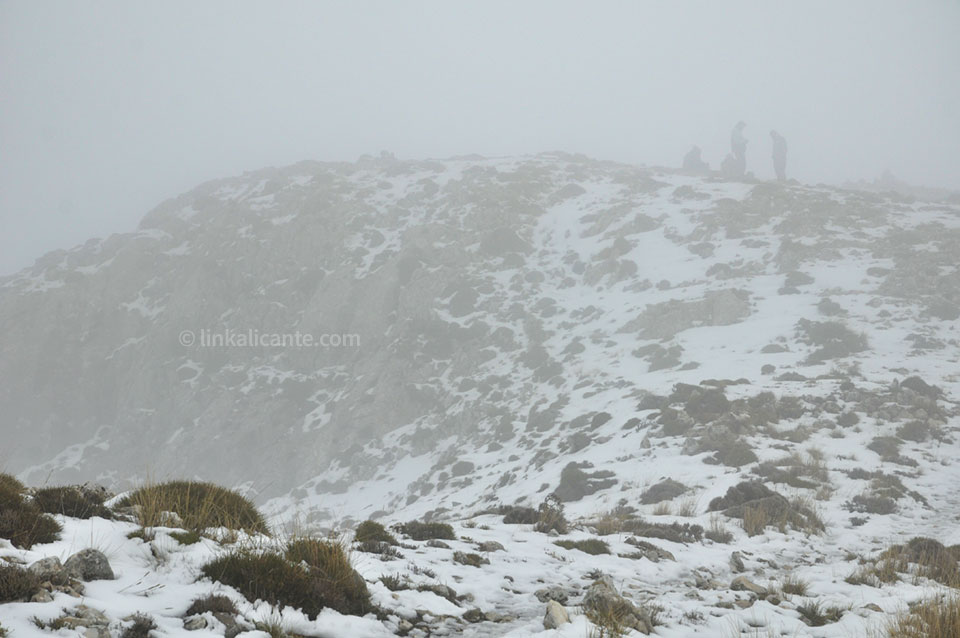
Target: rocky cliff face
[(512, 314)]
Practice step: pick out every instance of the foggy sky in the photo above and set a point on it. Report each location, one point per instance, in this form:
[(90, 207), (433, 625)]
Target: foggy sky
[(107, 108)]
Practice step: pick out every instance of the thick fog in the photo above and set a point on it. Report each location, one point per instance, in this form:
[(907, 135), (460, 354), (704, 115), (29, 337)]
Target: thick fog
[(107, 108)]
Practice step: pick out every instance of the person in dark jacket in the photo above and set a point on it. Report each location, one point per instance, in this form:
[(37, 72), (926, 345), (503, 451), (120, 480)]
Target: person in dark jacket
[(694, 163), (779, 155)]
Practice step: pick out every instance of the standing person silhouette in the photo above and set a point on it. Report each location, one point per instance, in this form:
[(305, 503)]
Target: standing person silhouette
[(779, 155), (738, 146)]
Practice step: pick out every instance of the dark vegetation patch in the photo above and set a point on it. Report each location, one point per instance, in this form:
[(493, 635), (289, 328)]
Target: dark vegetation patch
[(665, 490), (423, 531), (214, 603), (592, 546), (575, 483), (16, 583), (22, 522), (831, 340), (140, 627), (310, 575), (368, 531), (550, 516), (74, 501), (760, 507)]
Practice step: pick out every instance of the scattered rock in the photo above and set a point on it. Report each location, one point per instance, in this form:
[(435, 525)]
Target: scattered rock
[(195, 623), (490, 546), (602, 598), (742, 583), (555, 616), (474, 615), (89, 564), (554, 592), (736, 563), (48, 568)]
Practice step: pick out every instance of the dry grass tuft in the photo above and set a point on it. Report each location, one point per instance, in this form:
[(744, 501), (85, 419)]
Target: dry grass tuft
[(934, 618), (199, 505)]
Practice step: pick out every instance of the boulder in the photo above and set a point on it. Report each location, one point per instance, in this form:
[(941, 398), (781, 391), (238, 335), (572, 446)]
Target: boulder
[(555, 616), (742, 583), (602, 598), (48, 568), (89, 564)]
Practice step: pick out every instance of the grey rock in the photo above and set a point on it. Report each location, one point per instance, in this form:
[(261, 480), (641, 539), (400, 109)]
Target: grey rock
[(490, 546), (742, 583), (555, 615), (554, 592), (89, 564), (602, 597), (48, 568), (42, 596), (195, 623), (736, 563)]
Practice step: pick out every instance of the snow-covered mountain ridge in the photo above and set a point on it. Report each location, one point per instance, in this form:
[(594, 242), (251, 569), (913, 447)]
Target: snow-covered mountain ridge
[(527, 326)]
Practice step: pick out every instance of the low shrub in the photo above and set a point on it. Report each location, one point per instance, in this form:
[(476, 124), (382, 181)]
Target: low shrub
[(793, 585), (200, 506), (516, 515), (550, 516), (269, 577), (190, 537), (22, 522), (335, 582), (141, 627), (422, 531), (214, 603), (470, 559), (665, 490), (676, 532), (592, 546), (372, 531), (73, 501), (16, 583)]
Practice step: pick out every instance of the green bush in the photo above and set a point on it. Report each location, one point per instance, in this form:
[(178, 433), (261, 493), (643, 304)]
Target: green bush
[(421, 531), (71, 501), (373, 531), (200, 505), (16, 583), (592, 546), (21, 521)]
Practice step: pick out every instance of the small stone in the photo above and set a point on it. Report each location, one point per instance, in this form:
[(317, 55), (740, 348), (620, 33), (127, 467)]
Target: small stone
[(474, 615), (490, 546), (89, 564), (742, 583), (873, 607), (404, 626), (555, 616), (42, 596), (554, 592), (48, 568), (736, 563), (194, 623), (435, 542)]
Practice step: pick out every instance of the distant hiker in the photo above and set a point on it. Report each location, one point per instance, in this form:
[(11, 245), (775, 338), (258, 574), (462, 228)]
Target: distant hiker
[(693, 162), (779, 155), (730, 167), (738, 146)]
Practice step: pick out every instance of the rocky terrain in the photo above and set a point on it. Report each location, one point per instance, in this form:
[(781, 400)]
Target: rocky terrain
[(741, 395)]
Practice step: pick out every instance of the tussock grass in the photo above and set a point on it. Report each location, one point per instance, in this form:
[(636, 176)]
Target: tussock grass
[(199, 505), (793, 585), (933, 618)]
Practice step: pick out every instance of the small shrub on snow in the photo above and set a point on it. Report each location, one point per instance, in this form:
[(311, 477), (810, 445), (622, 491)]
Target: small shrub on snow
[(16, 583), (934, 618), (592, 546), (213, 603), (140, 628), (71, 501), (373, 531), (551, 516), (200, 506), (423, 531), (21, 521)]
